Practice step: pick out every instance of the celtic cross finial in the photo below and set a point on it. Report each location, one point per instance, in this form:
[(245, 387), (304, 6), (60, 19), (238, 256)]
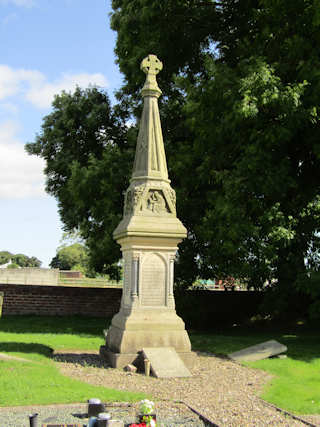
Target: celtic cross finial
[(151, 66)]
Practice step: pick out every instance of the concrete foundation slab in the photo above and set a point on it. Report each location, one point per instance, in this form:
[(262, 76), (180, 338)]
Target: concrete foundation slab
[(120, 360)]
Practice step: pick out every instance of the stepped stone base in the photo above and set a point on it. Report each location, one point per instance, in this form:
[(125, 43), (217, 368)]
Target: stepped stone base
[(131, 332), (120, 360)]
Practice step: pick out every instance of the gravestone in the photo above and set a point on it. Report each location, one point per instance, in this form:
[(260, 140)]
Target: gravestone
[(148, 234), (62, 425), (259, 351), (165, 362)]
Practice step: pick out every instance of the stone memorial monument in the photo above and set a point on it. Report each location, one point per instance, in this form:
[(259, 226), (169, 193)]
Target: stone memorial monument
[(148, 234)]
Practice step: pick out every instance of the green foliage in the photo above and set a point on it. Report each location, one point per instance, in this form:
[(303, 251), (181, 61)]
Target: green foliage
[(5, 257), (13, 265), (25, 261), (240, 116), (86, 146), (70, 257), (20, 260)]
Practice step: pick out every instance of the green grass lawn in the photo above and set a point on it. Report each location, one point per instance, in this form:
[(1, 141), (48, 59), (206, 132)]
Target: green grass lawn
[(39, 381), (295, 385)]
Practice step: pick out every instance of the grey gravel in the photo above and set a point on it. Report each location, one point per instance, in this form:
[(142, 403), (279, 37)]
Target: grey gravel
[(224, 391), (174, 415)]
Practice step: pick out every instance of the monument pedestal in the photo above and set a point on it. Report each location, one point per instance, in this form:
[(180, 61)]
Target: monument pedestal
[(129, 334), (147, 317), (139, 339)]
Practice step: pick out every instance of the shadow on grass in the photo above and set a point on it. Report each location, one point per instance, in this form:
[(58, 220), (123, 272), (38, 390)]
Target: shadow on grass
[(18, 347), (79, 324)]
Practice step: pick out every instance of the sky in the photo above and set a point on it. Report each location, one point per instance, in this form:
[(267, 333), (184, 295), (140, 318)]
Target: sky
[(46, 46)]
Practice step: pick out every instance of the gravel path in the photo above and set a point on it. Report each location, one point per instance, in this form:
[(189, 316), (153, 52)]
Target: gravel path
[(223, 391), (220, 389)]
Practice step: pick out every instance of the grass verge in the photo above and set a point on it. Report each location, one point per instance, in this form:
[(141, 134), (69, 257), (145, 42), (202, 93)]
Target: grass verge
[(39, 381)]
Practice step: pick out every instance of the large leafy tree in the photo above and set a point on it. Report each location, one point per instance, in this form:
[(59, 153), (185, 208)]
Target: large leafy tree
[(243, 114), (86, 147), (240, 116)]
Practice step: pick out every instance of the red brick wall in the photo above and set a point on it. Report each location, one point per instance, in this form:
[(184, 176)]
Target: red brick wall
[(60, 300)]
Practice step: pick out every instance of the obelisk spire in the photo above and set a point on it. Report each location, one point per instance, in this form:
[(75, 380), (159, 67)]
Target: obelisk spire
[(150, 202), (150, 160)]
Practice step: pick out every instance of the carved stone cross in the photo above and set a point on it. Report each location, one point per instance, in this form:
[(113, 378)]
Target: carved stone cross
[(151, 66)]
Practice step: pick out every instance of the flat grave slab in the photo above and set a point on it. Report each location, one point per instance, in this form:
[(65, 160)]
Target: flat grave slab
[(62, 425), (165, 362), (259, 351)]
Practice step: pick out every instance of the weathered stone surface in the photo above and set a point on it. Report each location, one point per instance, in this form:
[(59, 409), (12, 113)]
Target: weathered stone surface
[(62, 425), (165, 362), (29, 276), (148, 234), (1, 302), (259, 351), (153, 273), (115, 423)]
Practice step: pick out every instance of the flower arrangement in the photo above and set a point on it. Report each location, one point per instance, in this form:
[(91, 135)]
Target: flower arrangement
[(147, 414), (151, 424), (146, 407)]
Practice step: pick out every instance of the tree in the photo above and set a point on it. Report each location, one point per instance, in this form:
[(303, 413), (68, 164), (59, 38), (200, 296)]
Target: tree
[(5, 257), (68, 257), (20, 260), (240, 118), (13, 265), (88, 149), (24, 261), (248, 126)]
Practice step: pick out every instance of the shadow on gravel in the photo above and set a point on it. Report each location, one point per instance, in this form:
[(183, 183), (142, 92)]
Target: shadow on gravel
[(83, 359)]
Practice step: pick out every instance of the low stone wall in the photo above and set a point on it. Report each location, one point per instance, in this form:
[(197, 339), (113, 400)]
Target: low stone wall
[(60, 300), (29, 276)]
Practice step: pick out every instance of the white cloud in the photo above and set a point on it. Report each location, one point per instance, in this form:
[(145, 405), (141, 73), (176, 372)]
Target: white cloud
[(37, 89), (21, 175), (41, 93), (12, 81), (23, 3)]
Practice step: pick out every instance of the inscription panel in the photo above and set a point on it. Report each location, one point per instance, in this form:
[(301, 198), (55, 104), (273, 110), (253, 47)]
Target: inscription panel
[(126, 296), (153, 281)]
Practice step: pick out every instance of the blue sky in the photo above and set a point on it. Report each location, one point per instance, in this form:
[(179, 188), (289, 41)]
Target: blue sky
[(46, 46)]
